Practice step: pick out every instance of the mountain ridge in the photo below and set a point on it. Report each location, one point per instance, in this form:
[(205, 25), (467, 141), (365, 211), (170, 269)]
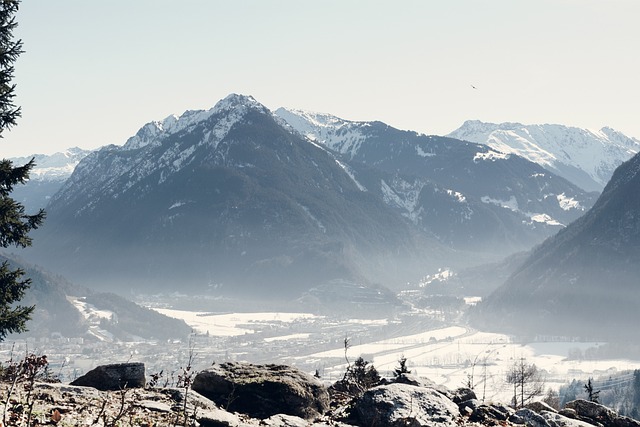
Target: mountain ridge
[(240, 194), (232, 194), (583, 156), (588, 268), (419, 169)]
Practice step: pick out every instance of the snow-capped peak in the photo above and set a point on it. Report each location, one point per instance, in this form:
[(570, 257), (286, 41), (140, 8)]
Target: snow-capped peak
[(53, 167), (585, 157), (333, 132), (235, 101), (151, 132)]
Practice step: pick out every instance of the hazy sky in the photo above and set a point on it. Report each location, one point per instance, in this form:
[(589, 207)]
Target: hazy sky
[(94, 72)]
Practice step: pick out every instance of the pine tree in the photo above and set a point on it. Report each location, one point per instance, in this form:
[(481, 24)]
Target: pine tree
[(402, 367), (592, 394), (15, 224)]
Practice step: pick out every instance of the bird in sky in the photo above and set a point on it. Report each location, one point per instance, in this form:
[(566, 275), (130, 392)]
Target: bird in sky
[(474, 87)]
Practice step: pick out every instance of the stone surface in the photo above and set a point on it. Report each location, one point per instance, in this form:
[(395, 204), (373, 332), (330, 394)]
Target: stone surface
[(462, 395), (592, 410), (405, 405), (468, 406), (154, 405), (484, 413), (282, 420), (261, 391), (557, 420), (217, 418), (596, 414), (531, 418), (539, 406), (86, 406), (114, 377)]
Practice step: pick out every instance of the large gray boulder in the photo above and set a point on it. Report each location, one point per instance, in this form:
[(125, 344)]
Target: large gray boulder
[(594, 413), (405, 405), (117, 376), (261, 391)]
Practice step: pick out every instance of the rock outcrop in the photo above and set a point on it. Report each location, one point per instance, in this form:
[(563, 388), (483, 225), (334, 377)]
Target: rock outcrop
[(246, 395), (596, 414), (406, 405), (261, 391), (114, 377)]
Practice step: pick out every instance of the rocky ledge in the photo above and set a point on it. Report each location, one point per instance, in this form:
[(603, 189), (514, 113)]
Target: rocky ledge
[(241, 394)]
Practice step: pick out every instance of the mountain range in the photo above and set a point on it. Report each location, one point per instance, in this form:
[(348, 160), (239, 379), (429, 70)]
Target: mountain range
[(469, 196), (46, 178), (584, 280), (241, 199), (583, 156), (221, 198)]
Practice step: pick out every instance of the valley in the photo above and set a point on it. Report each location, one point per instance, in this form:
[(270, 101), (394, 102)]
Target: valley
[(436, 344)]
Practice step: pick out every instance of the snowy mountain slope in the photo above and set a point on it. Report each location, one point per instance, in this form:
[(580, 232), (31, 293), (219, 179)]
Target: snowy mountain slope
[(584, 157), (224, 199), (46, 177), (584, 280), (53, 167), (468, 195), (339, 135)]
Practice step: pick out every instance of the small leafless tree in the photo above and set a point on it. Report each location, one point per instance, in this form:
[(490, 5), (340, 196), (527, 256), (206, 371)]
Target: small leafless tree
[(527, 381)]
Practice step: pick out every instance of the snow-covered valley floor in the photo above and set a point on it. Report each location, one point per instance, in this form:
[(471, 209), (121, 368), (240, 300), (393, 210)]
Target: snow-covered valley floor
[(451, 355)]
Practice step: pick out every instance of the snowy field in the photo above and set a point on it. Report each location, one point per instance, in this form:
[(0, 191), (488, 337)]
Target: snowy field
[(457, 356), (232, 324), (450, 356)]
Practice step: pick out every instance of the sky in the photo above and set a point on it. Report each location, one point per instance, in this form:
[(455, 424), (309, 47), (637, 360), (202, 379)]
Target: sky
[(93, 72)]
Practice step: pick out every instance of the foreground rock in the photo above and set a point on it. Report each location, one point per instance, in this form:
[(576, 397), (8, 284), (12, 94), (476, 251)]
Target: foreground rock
[(280, 396), (262, 391), (67, 405), (114, 377), (596, 414), (406, 405)]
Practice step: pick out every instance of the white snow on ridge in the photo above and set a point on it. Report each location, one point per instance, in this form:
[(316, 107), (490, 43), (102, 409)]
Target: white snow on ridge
[(54, 167), (340, 135), (545, 219), (491, 156), (558, 148), (568, 203), (153, 131), (457, 195)]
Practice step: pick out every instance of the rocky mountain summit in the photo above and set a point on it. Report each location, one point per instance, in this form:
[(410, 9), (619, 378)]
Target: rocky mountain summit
[(240, 394)]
